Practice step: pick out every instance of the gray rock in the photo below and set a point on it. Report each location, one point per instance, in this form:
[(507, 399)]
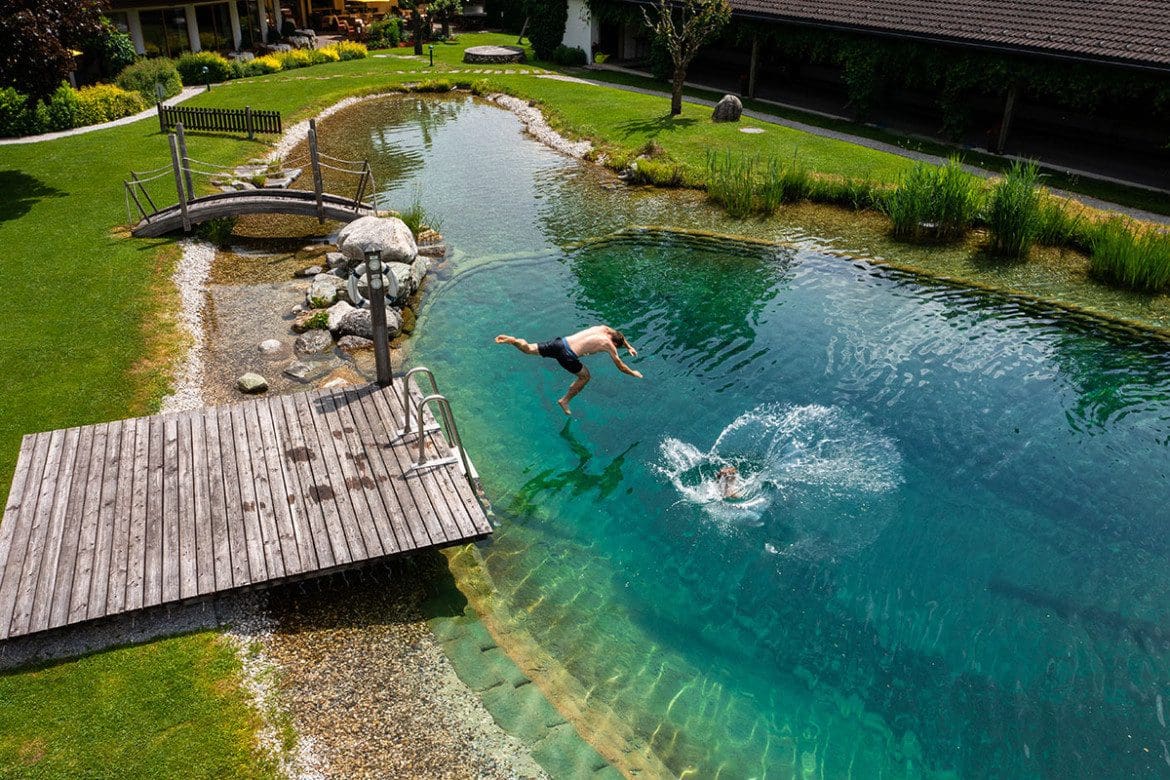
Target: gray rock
[(313, 342), (337, 313), (432, 250), (252, 383), (270, 346), (323, 291), (388, 235), (335, 260), (359, 322), (312, 270), (297, 370), (418, 272), (728, 109), (354, 343)]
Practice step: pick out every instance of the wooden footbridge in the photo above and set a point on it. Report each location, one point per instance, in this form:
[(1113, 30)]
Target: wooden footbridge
[(190, 210), (108, 519)]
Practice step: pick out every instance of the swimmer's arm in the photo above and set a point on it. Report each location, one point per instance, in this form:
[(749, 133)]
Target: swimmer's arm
[(617, 361)]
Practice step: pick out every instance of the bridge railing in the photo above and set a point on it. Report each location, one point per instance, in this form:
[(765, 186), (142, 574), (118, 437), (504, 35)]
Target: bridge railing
[(221, 120)]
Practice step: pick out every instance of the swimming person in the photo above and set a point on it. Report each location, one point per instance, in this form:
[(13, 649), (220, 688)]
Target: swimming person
[(568, 351), (728, 478)]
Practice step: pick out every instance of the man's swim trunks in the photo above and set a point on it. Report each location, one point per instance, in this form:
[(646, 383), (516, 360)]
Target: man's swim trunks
[(559, 348)]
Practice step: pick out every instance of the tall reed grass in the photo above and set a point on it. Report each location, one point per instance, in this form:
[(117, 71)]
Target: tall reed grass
[(1125, 255), (1014, 216), (934, 203), (749, 185)]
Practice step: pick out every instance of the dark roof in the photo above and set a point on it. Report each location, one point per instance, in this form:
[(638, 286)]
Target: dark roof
[(1135, 32)]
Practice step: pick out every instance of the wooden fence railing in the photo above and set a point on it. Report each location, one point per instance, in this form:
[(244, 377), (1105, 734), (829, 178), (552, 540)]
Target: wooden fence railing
[(227, 120)]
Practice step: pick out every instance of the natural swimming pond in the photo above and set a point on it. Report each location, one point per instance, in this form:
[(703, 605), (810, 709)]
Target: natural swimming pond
[(949, 552)]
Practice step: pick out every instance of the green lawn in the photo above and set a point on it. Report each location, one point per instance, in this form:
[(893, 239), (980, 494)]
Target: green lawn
[(88, 335)]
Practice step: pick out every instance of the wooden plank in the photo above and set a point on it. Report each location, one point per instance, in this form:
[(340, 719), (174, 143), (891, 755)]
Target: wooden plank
[(235, 518), (38, 459), (51, 607), (152, 544), (76, 596), (215, 468), (283, 498), (201, 490), (316, 490), (426, 524), (140, 504), (172, 508), (185, 490), (50, 515), (350, 481), (307, 512), (248, 509), (403, 512), (370, 473), (111, 543), (270, 537), (20, 478)]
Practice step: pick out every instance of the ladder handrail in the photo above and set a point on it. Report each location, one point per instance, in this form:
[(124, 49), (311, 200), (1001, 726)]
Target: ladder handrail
[(406, 393), (451, 433)]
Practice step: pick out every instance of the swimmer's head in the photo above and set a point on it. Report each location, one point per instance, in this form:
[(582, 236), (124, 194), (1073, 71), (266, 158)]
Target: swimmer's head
[(618, 339)]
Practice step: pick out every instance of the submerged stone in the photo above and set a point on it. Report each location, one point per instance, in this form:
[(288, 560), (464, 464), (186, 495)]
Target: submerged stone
[(314, 342), (252, 383)]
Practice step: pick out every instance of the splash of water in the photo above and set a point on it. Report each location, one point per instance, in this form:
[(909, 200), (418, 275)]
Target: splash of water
[(810, 473)]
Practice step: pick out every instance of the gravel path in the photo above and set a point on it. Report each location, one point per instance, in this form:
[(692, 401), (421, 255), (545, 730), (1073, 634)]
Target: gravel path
[(126, 120), (190, 279)]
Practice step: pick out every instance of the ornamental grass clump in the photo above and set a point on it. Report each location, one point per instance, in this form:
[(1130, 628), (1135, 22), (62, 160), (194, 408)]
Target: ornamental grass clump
[(1061, 226), (147, 75), (1014, 217), (747, 185), (348, 50), (729, 183), (293, 58), (1126, 255), (934, 203), (261, 66)]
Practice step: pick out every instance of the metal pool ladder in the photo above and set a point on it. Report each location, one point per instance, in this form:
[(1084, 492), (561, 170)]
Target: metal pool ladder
[(454, 442)]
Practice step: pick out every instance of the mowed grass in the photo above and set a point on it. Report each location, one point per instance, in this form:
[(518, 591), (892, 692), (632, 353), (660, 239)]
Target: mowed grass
[(162, 710)]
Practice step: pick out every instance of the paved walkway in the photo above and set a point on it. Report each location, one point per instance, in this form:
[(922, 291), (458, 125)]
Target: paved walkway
[(892, 149), (188, 92)]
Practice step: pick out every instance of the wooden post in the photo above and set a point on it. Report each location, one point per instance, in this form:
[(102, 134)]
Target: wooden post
[(185, 160), (162, 120), (751, 90), (374, 275), (1009, 108), (179, 184), (315, 160), (145, 194), (248, 122)]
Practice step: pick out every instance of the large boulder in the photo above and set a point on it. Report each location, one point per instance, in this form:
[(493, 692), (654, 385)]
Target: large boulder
[(388, 235), (728, 109), (336, 313), (360, 322), (324, 291), (418, 271)]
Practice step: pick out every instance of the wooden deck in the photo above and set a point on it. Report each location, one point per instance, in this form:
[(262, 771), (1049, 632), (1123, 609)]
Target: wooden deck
[(112, 518)]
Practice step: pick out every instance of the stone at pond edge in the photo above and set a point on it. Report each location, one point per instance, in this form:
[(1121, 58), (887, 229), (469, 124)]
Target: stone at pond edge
[(728, 109), (335, 259), (252, 383), (314, 342), (314, 319), (323, 291), (270, 346), (359, 322), (354, 343), (336, 313), (312, 270), (297, 370), (408, 320), (388, 235)]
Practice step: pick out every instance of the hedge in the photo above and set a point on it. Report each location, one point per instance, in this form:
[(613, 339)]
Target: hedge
[(145, 74), (67, 108)]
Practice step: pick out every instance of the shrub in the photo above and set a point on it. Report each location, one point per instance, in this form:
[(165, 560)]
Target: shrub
[(145, 74), (1124, 256), (15, 116), (572, 56), (106, 102), (934, 202), (295, 58), (60, 112), (113, 49), (218, 231), (260, 66), (432, 85), (546, 26), (322, 56), (348, 50), (191, 67), (1013, 213), (385, 34)]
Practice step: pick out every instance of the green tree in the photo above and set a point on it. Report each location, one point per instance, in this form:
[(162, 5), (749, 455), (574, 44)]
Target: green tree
[(416, 23), (36, 39), (444, 10), (683, 28), (546, 25)]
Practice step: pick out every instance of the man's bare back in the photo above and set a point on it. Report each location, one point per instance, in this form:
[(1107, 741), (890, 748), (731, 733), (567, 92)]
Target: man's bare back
[(568, 350)]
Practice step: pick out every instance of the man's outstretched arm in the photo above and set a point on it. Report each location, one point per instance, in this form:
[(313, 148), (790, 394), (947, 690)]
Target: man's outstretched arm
[(617, 361)]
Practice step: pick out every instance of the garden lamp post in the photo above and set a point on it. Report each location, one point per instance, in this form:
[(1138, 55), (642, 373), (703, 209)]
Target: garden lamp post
[(374, 268), (207, 77), (432, 53)]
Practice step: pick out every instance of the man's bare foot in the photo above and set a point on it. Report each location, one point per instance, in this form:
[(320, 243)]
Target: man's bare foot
[(564, 406)]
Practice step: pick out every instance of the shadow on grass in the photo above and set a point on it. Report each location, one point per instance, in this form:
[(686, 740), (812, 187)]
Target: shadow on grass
[(22, 192), (663, 124)]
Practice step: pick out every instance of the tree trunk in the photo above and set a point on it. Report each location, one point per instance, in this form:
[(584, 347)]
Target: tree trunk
[(446, 25), (676, 90), (416, 29)]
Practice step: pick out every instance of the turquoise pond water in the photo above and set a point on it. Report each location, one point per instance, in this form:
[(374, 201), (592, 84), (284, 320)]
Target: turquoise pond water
[(950, 550)]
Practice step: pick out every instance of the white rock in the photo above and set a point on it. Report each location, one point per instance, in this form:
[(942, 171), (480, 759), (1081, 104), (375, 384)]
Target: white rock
[(337, 313), (388, 235), (270, 346)]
